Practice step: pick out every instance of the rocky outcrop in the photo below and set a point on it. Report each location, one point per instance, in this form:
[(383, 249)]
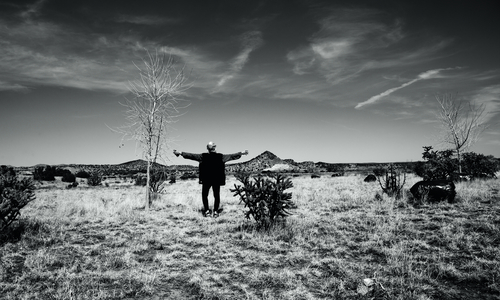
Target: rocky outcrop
[(434, 191), (265, 160)]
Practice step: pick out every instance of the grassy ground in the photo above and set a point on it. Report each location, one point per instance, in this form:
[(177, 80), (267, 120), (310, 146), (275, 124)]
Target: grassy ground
[(96, 243)]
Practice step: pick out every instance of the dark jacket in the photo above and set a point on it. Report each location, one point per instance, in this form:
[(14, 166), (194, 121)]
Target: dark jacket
[(212, 166)]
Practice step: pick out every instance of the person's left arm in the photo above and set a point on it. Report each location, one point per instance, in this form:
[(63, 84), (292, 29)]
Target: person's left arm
[(234, 156)]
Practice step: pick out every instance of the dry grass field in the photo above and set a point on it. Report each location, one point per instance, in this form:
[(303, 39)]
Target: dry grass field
[(341, 243)]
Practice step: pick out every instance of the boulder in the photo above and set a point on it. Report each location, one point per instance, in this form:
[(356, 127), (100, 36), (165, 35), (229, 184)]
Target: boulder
[(370, 178), (434, 190)]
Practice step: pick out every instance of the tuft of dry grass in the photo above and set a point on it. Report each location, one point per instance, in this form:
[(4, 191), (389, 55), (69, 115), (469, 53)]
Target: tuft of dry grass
[(97, 243)]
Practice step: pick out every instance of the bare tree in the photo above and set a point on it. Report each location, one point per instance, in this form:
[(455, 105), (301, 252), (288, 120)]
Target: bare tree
[(463, 122), (155, 106)]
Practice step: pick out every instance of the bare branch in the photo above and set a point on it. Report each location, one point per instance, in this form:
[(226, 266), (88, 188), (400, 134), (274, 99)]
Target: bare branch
[(463, 122), (157, 103)]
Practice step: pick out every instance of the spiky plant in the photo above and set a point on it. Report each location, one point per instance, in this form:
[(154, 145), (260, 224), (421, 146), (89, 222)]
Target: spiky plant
[(265, 197)]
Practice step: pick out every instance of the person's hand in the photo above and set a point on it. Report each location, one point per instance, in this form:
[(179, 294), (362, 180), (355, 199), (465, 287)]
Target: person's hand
[(245, 153), (177, 153)]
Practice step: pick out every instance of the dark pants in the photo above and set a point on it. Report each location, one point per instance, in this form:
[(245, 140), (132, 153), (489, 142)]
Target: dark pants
[(204, 195)]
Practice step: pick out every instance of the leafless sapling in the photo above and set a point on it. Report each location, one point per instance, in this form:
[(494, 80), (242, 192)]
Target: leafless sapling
[(157, 103)]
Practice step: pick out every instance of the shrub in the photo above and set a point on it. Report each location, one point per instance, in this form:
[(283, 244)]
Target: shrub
[(441, 165), (264, 197), (479, 165), (72, 185), (140, 180), (172, 178), (391, 179), (95, 178), (158, 177), (438, 164), (379, 171), (60, 172), (68, 177), (7, 171), (46, 173), (189, 175), (82, 174), (14, 195)]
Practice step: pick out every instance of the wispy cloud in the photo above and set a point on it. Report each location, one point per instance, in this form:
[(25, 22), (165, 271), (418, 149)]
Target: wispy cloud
[(33, 9), (250, 41), (489, 97), (6, 86), (422, 76), (353, 41), (43, 53), (147, 20)]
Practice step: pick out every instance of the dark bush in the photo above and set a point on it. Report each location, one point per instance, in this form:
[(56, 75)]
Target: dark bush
[(68, 177), (60, 172), (264, 197), (45, 173), (140, 180), (72, 185), (172, 178), (479, 165), (438, 164), (95, 178), (14, 195), (82, 174), (7, 171), (189, 175), (379, 171)]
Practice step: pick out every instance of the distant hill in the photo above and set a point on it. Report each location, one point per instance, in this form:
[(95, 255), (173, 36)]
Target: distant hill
[(264, 161), (269, 161)]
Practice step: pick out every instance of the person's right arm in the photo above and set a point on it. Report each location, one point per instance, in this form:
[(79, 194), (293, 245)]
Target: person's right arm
[(191, 156)]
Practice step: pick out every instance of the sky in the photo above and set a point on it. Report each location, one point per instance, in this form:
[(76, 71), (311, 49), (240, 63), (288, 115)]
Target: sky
[(309, 80)]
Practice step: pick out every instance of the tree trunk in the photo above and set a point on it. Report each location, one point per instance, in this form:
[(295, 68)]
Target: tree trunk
[(459, 157), (148, 179)]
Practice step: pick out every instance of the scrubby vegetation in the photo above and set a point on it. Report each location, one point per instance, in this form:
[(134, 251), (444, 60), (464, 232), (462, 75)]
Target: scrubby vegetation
[(264, 197), (82, 174), (340, 243), (391, 179), (68, 177), (442, 164), (15, 194), (95, 178), (44, 173)]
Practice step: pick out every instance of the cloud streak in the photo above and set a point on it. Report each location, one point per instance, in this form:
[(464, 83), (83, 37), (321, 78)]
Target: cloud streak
[(147, 20), (351, 42), (489, 97), (42, 53), (250, 41), (422, 76)]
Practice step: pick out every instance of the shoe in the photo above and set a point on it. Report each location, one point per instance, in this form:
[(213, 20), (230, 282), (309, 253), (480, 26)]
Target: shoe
[(207, 213), (216, 214)]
